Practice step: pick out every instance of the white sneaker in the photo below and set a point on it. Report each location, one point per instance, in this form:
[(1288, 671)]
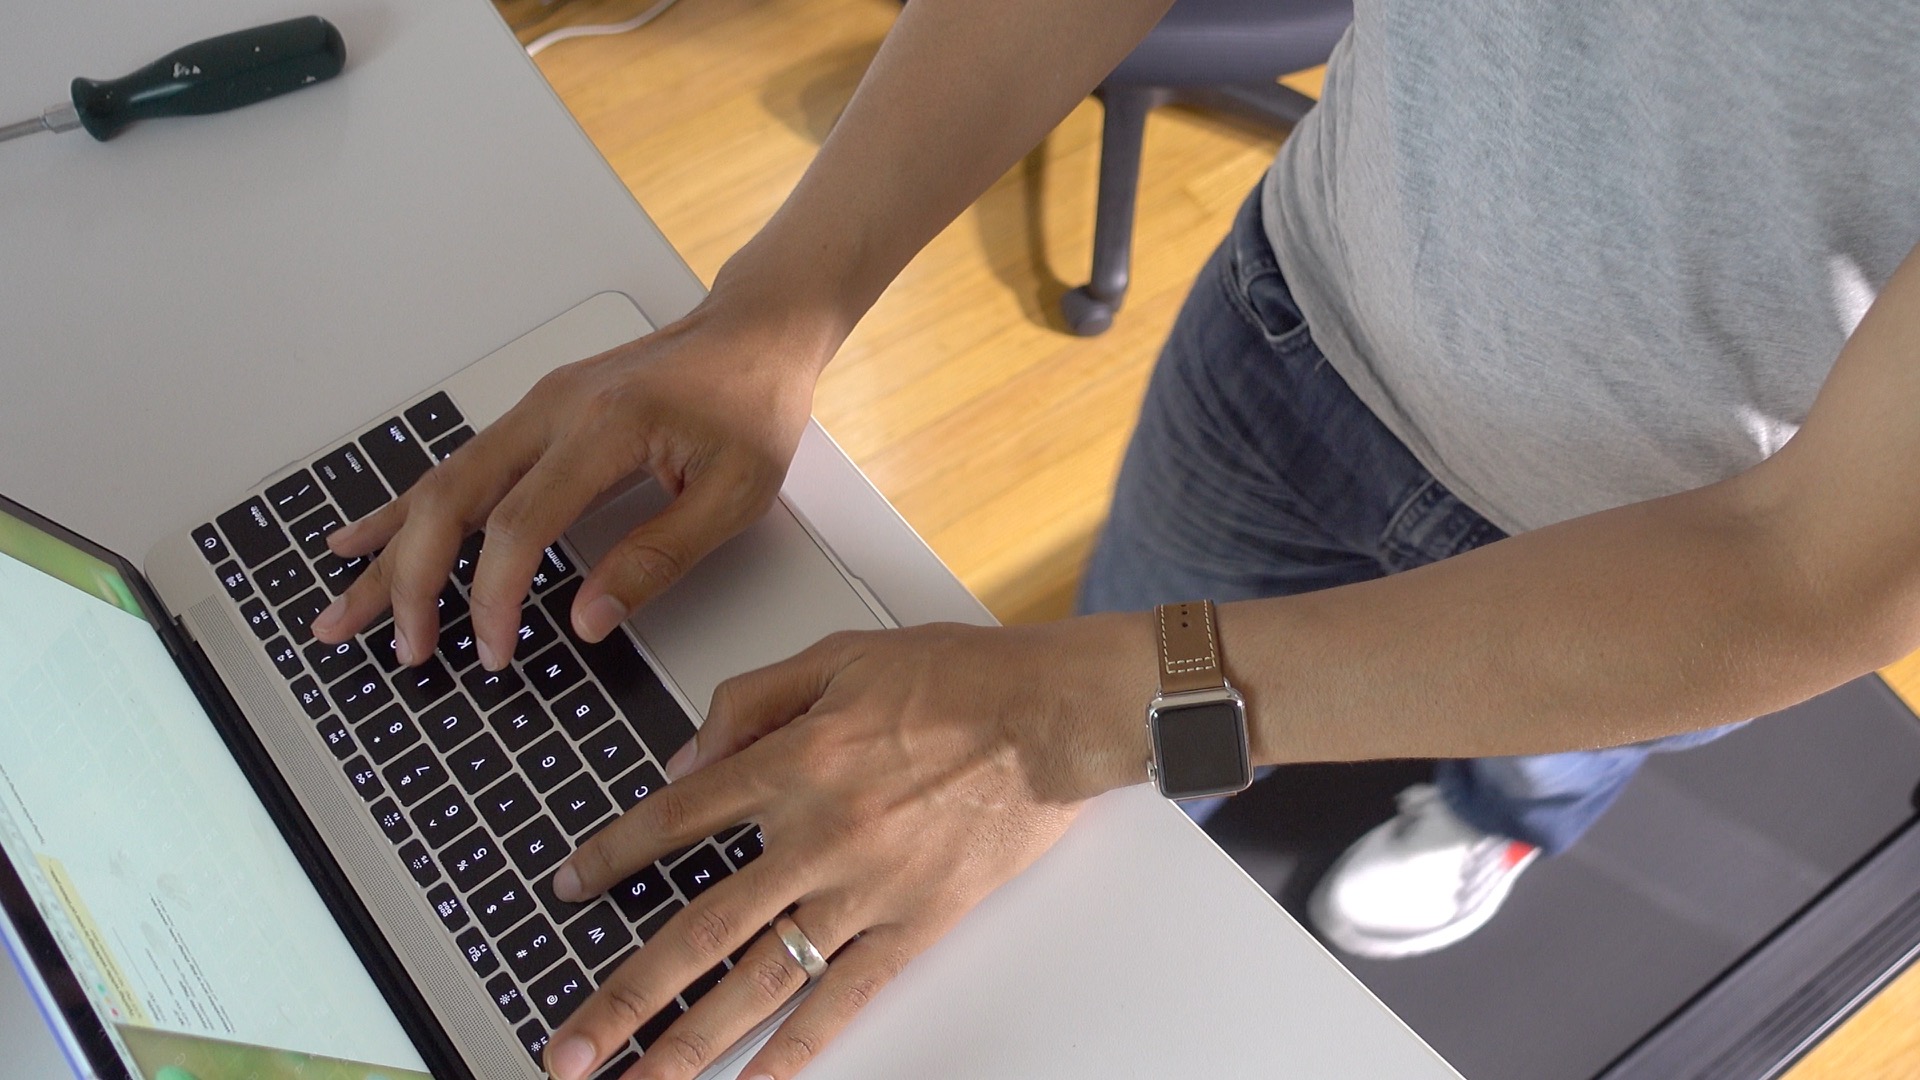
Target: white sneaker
[(1418, 883)]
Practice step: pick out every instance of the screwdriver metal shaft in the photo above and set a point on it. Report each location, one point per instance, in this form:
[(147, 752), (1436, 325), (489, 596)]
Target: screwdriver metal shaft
[(208, 76)]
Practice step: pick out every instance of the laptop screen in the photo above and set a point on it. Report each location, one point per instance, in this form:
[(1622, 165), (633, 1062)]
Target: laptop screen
[(179, 908)]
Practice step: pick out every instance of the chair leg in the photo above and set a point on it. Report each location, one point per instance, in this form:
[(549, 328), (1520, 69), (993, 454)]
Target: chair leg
[(1089, 309)]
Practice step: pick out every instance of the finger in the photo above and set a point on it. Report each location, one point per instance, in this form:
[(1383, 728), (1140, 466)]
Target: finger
[(713, 506), (370, 533), (669, 819), (693, 941), (746, 707), (552, 494), (762, 981), (855, 975)]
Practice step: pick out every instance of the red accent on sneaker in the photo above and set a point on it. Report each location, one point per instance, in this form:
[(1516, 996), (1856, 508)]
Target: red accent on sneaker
[(1517, 852)]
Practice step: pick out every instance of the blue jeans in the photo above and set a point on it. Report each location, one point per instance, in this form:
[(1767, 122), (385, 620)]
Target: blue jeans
[(1247, 428)]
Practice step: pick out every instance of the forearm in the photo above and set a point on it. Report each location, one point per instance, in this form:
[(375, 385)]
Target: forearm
[(959, 91)]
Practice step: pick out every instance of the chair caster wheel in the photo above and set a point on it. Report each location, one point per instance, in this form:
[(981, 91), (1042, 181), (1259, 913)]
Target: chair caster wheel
[(1086, 314)]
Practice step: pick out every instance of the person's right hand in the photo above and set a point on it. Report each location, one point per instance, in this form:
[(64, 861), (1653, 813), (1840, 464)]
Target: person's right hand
[(712, 407)]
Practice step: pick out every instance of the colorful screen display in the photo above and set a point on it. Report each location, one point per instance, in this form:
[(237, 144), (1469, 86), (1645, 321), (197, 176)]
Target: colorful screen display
[(179, 907)]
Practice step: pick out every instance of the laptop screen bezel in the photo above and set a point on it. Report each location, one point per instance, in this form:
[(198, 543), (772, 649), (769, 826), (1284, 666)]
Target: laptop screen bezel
[(84, 1024)]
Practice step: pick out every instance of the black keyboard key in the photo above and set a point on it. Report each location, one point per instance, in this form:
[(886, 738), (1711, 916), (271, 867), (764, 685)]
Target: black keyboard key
[(507, 998), (652, 712), (434, 416), (605, 974), (387, 815), (259, 619), (700, 871), (599, 935), (415, 773), (311, 532), (501, 903), (450, 604), (559, 992), (337, 575), (534, 1038), (508, 804), (467, 559), (520, 721), (297, 617), (746, 847), (532, 947), (491, 689), (651, 1031), (442, 818), (334, 662), (455, 439), (420, 863), (578, 805), (234, 580), (397, 454), (284, 578), (557, 909), (359, 694), (472, 859), (479, 763), (554, 568), (618, 1067), (296, 496), (699, 987), (421, 686), (612, 751), (310, 696), (252, 533), (380, 646), (451, 722), (640, 895), (651, 926), (453, 914), (536, 848), (478, 953), (636, 785), (548, 762), (350, 480), (535, 632), (334, 734), (386, 734), (583, 710), (214, 549), (364, 778), (554, 672), (286, 660), (458, 647)]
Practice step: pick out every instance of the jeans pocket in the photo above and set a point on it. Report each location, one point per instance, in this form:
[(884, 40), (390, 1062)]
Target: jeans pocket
[(1264, 298)]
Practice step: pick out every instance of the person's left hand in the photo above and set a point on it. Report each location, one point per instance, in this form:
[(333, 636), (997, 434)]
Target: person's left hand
[(898, 777)]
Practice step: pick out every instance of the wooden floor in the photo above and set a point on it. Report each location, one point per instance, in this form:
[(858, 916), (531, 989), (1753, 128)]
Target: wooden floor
[(996, 434)]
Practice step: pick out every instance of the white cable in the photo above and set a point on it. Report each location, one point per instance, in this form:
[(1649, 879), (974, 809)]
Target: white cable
[(545, 41)]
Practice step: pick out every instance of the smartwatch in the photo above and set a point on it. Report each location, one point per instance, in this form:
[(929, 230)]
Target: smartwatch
[(1197, 725)]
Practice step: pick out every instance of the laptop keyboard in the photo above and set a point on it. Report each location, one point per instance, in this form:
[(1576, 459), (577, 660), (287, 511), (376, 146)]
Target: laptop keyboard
[(483, 781)]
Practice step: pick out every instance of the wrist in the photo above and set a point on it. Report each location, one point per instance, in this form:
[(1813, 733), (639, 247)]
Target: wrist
[(765, 284), (1111, 663)]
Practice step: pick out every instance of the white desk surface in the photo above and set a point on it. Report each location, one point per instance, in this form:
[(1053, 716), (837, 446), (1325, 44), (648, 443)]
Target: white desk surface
[(200, 300)]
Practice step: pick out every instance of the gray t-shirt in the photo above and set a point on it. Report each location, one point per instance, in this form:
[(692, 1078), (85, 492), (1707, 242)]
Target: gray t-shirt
[(1581, 253)]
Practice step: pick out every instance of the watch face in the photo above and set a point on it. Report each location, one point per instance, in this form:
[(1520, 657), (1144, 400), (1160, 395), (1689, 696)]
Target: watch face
[(1202, 749)]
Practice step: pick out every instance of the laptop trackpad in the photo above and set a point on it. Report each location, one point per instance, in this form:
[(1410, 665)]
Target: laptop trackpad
[(763, 596)]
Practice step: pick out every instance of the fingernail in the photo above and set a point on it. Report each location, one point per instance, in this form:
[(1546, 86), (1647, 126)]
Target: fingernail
[(324, 622), (566, 883), (402, 648), (600, 617), (487, 658), (681, 763), (570, 1058)]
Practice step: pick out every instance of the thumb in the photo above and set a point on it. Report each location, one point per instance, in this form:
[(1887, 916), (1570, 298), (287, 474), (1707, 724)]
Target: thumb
[(747, 707), (707, 512)]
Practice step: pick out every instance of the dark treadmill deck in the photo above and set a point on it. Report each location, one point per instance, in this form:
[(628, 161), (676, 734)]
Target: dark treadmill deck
[(1706, 855)]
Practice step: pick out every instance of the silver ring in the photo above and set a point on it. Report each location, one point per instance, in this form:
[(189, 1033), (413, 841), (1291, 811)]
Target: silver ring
[(800, 947)]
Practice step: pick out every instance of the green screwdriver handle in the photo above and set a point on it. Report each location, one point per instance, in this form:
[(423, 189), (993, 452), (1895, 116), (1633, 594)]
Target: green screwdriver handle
[(214, 75)]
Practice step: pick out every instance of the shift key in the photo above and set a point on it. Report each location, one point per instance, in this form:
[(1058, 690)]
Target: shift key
[(350, 479), (398, 455)]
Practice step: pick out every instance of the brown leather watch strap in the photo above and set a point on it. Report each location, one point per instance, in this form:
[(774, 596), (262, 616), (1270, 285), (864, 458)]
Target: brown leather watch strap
[(1189, 648)]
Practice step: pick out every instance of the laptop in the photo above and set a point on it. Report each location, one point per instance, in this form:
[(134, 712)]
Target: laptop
[(235, 851)]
